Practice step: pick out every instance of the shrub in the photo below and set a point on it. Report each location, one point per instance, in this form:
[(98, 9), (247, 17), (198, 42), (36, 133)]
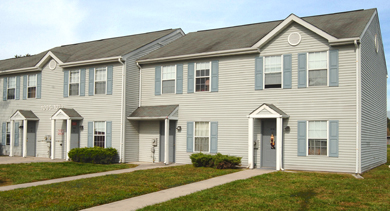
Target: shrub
[(97, 155), (218, 161)]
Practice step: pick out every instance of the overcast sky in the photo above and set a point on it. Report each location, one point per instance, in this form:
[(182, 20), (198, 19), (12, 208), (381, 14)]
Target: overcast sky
[(33, 26)]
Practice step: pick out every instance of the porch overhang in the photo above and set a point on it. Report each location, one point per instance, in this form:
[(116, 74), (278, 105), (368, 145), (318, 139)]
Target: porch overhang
[(267, 111), (20, 115), (161, 112), (65, 114)]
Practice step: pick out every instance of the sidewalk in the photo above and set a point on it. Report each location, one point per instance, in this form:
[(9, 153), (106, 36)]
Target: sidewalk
[(168, 194), (142, 166)]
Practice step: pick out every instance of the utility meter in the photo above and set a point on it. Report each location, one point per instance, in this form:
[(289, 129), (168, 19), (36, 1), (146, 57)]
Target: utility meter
[(154, 142)]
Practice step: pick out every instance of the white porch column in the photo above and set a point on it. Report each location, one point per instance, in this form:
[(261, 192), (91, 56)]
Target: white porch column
[(12, 141), (53, 139), (68, 132), (279, 144), (166, 137), (25, 138), (250, 143)]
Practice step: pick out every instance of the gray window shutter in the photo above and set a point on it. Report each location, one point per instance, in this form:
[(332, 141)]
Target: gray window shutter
[(213, 137), (179, 79), (333, 138), (302, 138), (109, 79), (190, 136), (16, 142), (66, 83), (259, 73), (4, 132), (108, 134), (214, 75), (287, 71), (17, 94), (25, 87), (90, 134), (191, 78), (4, 88), (302, 70), (157, 80), (333, 68), (82, 82), (39, 85), (91, 81)]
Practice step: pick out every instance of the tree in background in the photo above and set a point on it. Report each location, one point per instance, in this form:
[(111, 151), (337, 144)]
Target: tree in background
[(388, 126)]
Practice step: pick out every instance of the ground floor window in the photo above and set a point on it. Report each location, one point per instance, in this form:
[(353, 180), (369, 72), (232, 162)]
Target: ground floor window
[(202, 136), (8, 141), (99, 135), (317, 137)]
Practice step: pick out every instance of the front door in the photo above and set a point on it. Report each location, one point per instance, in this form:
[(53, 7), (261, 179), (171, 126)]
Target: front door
[(172, 141), (75, 135), (268, 154), (31, 138)]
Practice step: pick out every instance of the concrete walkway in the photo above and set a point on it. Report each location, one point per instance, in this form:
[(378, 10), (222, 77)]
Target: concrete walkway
[(168, 194), (142, 166), (16, 159)]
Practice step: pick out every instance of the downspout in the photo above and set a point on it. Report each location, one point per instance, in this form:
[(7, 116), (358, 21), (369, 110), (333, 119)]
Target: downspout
[(357, 106), (122, 135), (140, 84)]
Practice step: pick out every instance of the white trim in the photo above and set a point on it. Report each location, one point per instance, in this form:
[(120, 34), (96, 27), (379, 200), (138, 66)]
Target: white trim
[(368, 23), (92, 61), (274, 114), (327, 137), (175, 78), (210, 71), (105, 134), (294, 44), (64, 117), (70, 71), (36, 86), (17, 116), (202, 136), (94, 81), (8, 88), (327, 67), (46, 59), (281, 71), (20, 70)]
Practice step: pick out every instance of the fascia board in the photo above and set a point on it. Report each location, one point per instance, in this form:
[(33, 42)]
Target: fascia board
[(92, 61), (147, 118), (46, 59), (20, 70)]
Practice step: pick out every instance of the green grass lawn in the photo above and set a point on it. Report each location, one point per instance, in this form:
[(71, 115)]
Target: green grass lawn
[(293, 191), (83, 193), (11, 174)]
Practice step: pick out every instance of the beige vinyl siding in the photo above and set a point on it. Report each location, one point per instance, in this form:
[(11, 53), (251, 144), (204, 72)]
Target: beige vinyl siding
[(237, 97), (373, 99), (91, 108)]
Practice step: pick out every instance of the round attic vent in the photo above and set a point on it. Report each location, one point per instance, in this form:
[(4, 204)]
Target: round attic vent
[(52, 64), (294, 38)]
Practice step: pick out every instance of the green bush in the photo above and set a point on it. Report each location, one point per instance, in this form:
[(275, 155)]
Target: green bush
[(97, 155), (218, 161)]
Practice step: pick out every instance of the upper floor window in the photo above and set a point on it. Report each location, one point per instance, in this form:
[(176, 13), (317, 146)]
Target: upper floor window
[(318, 66), (100, 80), (11, 89), (168, 79), (99, 135), (317, 137), (8, 133), (74, 82), (202, 136), (202, 76), (273, 72), (31, 86)]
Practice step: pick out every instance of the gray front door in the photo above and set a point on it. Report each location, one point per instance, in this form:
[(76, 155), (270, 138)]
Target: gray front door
[(75, 135), (268, 155), (172, 141), (31, 138)]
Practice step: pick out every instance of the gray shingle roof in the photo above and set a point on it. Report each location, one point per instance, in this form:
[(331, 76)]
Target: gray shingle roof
[(271, 106), (28, 114), (161, 111), (71, 112), (97, 49), (340, 25)]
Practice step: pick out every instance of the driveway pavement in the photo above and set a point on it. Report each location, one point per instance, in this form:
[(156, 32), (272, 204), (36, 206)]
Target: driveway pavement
[(5, 159)]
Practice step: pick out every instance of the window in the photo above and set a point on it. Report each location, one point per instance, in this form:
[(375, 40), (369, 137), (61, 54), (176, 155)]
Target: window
[(318, 66), (11, 88), (99, 134), (168, 79), (318, 138), (32, 86), (74, 82), (273, 72), (202, 76), (100, 80), (8, 133), (202, 136)]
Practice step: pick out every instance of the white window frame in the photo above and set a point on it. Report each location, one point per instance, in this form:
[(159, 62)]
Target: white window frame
[(327, 68), (281, 71), (8, 88), (195, 68), (94, 84), (194, 132), (74, 83), (327, 137), (162, 79), (8, 133), (105, 133), (36, 86)]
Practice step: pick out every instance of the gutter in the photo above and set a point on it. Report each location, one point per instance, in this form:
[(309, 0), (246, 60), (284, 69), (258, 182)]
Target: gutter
[(201, 55), (20, 70), (358, 121), (344, 41), (140, 84), (122, 135), (93, 61)]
